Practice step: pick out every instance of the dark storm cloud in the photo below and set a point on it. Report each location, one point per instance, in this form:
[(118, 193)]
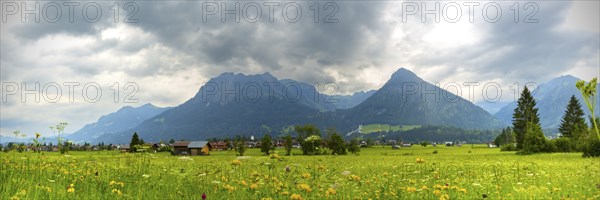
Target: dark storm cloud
[(272, 46), (171, 42)]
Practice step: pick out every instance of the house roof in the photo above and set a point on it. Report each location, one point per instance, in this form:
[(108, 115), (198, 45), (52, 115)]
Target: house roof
[(197, 144), (181, 144), (217, 143)]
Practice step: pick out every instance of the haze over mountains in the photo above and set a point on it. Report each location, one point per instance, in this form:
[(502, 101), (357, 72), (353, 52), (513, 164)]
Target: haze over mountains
[(237, 104)]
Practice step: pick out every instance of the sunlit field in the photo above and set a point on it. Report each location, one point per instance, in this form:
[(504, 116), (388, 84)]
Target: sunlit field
[(468, 172)]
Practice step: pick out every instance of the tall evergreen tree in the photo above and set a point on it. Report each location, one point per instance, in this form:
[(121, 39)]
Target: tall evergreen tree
[(573, 120), (134, 141), (525, 113)]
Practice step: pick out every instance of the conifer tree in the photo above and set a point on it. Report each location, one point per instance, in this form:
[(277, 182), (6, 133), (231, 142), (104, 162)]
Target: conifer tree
[(525, 113), (573, 121)]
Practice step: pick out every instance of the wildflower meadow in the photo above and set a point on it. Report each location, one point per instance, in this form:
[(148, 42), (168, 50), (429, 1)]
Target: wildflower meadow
[(468, 172)]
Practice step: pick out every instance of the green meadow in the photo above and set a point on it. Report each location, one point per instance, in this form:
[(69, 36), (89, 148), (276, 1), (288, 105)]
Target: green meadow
[(372, 128), (467, 172)]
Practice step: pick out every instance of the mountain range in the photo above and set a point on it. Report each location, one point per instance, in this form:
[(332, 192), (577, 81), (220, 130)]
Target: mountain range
[(238, 104), (232, 104)]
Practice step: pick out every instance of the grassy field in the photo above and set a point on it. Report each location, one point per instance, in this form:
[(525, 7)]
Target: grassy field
[(468, 172), (371, 128)]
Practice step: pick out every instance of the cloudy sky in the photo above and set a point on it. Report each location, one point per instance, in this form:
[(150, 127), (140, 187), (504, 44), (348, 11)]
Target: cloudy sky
[(168, 49)]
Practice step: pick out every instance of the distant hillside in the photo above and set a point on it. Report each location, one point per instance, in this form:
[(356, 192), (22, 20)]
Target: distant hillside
[(125, 118), (440, 134)]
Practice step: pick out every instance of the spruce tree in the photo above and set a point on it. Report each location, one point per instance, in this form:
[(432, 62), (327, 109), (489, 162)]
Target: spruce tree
[(525, 113), (573, 120), (134, 141)]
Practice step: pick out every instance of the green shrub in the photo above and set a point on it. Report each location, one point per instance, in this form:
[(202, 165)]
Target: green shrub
[(592, 148), (508, 147), (563, 144)]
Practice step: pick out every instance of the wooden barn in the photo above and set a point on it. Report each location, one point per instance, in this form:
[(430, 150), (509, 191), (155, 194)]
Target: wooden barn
[(199, 148), (191, 148), (181, 148)]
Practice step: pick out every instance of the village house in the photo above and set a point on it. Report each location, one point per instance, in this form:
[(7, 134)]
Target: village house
[(220, 145), (124, 148), (191, 148)]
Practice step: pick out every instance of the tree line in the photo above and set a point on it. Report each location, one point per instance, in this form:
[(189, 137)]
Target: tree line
[(526, 135)]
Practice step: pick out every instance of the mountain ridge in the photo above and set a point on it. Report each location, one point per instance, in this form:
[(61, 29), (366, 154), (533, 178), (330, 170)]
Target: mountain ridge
[(235, 103)]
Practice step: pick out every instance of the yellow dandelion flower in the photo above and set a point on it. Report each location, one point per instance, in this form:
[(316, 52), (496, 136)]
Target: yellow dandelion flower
[(355, 177), (463, 190), (444, 197), (244, 183), (118, 192), (121, 184), (71, 190), (305, 187), (331, 191), (296, 197), (420, 160), (229, 188), (424, 188), (411, 189), (306, 175), (112, 183), (236, 162), (253, 186), (437, 192)]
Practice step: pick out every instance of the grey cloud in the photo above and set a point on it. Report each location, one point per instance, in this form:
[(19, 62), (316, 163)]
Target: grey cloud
[(175, 39)]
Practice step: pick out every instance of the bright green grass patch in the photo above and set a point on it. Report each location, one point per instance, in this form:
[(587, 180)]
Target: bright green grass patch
[(468, 172), (371, 128)]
